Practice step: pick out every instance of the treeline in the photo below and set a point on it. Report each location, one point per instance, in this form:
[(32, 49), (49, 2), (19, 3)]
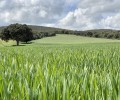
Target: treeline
[(39, 35), (38, 32), (101, 33), (22, 33)]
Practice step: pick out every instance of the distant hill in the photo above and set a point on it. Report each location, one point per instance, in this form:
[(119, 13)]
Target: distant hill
[(102, 30), (41, 28), (42, 31), (100, 33), (52, 29)]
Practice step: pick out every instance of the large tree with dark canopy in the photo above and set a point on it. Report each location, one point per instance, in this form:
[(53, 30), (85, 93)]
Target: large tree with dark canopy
[(17, 32)]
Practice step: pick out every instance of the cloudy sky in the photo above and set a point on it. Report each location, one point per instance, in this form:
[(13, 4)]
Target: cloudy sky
[(71, 14)]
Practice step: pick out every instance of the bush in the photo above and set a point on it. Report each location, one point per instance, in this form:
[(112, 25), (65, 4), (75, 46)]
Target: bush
[(42, 35)]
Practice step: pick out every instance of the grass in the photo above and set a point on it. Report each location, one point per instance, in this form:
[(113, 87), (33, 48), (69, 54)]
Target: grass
[(72, 39), (58, 70), (9, 43)]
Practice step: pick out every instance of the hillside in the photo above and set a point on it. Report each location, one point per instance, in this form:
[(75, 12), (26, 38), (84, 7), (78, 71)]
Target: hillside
[(103, 31), (44, 29), (63, 39), (72, 39), (36, 28), (51, 31), (40, 28)]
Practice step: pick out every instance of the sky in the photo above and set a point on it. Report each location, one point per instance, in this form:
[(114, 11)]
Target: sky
[(68, 14)]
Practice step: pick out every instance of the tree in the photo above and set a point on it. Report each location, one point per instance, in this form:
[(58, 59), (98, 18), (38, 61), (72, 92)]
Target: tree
[(17, 32), (28, 35)]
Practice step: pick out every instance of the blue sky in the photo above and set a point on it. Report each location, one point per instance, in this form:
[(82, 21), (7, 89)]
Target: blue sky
[(70, 14)]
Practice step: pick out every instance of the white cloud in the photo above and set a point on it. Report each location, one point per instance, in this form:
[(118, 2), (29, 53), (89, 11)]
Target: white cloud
[(31, 11), (76, 20), (68, 20), (42, 13), (2, 3), (73, 14), (111, 21), (91, 14)]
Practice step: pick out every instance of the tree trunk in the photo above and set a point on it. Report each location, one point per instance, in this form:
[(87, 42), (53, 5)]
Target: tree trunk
[(17, 42)]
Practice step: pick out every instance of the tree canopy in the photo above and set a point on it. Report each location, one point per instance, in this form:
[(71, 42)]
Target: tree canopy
[(17, 32)]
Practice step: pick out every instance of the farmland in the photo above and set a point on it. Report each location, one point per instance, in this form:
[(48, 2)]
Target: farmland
[(64, 67)]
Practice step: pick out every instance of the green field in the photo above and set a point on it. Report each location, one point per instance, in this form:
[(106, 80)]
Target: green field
[(64, 67), (72, 39)]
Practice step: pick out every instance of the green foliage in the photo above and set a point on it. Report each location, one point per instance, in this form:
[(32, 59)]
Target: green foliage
[(17, 32), (39, 35), (101, 33), (28, 34), (40, 32)]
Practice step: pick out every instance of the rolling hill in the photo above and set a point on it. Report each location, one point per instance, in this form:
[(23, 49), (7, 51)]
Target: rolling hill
[(72, 39), (40, 28), (36, 28), (97, 33)]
